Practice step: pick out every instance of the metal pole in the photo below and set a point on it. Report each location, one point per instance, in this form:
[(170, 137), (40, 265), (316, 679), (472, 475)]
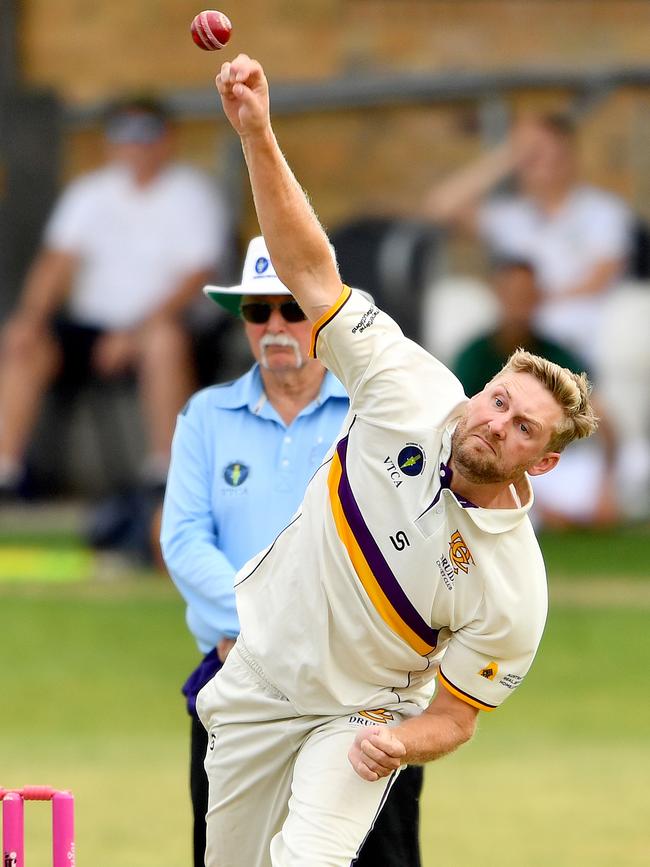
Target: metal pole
[(9, 73)]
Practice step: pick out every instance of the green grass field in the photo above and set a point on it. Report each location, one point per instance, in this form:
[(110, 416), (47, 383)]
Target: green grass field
[(558, 776)]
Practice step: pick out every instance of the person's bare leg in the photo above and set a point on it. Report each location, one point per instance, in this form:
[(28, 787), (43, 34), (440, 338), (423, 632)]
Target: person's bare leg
[(166, 379), (29, 360)]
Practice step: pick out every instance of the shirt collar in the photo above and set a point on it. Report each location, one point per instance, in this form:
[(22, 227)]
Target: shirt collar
[(248, 391)]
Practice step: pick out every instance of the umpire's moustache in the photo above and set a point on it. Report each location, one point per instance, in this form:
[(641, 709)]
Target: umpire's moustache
[(280, 340)]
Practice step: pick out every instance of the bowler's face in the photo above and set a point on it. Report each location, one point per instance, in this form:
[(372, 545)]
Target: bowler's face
[(505, 431), (278, 345)]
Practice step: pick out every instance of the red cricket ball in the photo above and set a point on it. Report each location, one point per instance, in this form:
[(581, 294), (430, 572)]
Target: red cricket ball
[(211, 30)]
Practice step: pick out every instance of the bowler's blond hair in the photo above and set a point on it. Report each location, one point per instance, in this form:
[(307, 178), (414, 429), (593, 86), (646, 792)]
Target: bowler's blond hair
[(570, 390)]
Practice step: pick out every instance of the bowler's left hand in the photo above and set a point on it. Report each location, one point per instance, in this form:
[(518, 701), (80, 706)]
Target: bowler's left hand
[(376, 753)]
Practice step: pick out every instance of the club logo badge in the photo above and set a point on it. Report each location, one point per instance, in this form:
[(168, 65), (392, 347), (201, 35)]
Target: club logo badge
[(235, 474), (461, 556), (378, 715), (261, 265), (411, 460), (371, 717)]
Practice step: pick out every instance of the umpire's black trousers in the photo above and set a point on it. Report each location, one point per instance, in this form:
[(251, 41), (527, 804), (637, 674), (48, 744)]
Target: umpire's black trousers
[(393, 842)]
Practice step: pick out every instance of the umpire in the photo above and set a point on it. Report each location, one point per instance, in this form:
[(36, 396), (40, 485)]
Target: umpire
[(242, 456)]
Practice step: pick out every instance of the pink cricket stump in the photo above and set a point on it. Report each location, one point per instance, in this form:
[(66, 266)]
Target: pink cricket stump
[(62, 829), (13, 837)]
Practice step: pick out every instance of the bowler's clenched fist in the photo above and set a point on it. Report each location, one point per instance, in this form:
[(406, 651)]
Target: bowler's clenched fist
[(376, 753), (244, 94)]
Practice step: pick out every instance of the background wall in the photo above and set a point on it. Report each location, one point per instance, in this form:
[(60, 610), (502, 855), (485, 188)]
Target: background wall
[(377, 160), (86, 48)]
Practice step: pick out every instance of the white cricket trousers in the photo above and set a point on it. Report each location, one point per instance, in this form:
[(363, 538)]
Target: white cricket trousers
[(282, 791)]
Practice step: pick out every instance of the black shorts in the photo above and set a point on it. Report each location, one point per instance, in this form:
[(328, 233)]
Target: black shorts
[(76, 343)]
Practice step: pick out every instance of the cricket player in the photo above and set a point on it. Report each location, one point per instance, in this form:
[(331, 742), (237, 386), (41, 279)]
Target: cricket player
[(242, 456), (411, 557)]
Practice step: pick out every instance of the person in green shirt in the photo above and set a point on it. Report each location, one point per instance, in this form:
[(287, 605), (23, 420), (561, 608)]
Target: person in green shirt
[(589, 473), (515, 286)]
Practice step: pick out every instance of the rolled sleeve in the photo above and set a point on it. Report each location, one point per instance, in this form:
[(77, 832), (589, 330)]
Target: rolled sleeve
[(489, 658), (482, 679)]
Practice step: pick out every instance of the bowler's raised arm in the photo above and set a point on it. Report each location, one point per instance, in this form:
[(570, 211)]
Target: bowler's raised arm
[(296, 241)]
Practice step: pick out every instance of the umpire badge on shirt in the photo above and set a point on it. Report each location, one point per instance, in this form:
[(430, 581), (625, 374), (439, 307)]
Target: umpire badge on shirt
[(235, 474)]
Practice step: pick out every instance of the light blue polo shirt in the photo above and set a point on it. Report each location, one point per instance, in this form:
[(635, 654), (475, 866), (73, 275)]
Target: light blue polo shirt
[(237, 475)]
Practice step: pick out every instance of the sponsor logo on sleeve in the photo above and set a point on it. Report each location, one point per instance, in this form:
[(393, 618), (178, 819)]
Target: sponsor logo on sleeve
[(511, 681), (489, 671), (378, 716), (235, 474), (366, 320), (461, 556)]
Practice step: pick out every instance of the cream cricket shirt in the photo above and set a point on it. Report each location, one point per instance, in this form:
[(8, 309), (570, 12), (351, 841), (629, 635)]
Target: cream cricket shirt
[(384, 578)]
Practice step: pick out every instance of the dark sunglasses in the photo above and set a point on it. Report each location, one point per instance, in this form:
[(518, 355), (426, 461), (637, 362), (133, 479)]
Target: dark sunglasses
[(259, 312)]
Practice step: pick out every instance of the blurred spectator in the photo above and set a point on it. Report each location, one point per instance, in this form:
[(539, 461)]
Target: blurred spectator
[(125, 251), (515, 288), (583, 490), (577, 237)]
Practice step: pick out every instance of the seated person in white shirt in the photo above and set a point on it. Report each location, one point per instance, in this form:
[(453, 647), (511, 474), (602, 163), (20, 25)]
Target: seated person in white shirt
[(576, 236), (124, 252)]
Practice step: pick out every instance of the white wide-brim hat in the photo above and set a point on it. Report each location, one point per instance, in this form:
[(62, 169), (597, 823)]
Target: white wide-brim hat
[(258, 278)]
